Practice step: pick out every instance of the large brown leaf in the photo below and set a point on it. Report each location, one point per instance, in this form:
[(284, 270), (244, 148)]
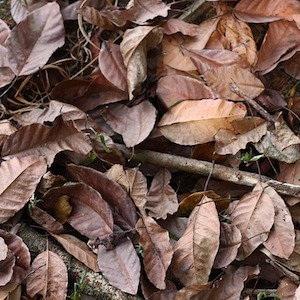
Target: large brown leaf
[(91, 215), (50, 277), (197, 122), (254, 217), (195, 251), (19, 179), (158, 251), (161, 198), (121, 266), (30, 49), (123, 209), (133, 123), (44, 141)]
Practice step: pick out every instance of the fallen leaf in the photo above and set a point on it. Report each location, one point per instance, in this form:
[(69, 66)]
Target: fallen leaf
[(291, 66), (286, 289), (197, 122)]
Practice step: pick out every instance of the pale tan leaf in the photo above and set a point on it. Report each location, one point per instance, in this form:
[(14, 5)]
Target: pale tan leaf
[(176, 25), (281, 240), (121, 266), (247, 130), (286, 289), (137, 187), (50, 277), (161, 198), (158, 251), (3, 249), (4, 32), (230, 241), (254, 217), (280, 44), (7, 291), (29, 52), (7, 268), (133, 123), (79, 250), (44, 141), (134, 47), (244, 79), (197, 122), (195, 251), (19, 179), (118, 174), (175, 88)]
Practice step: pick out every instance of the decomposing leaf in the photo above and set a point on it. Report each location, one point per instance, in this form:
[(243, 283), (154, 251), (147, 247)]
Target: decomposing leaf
[(133, 123), (121, 266), (7, 268), (291, 66), (286, 289), (19, 179), (28, 52), (195, 251), (3, 249), (158, 251), (197, 122), (62, 209), (176, 25), (78, 249), (254, 217), (50, 277), (161, 198), (244, 79)]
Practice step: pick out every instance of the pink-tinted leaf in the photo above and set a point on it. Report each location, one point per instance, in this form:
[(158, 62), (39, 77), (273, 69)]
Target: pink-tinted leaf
[(90, 215), (158, 251), (3, 249), (286, 289), (44, 141), (50, 277), (79, 250), (19, 179), (7, 268), (161, 198), (195, 251), (4, 32), (292, 66), (175, 88), (176, 25), (197, 122), (281, 241), (230, 241), (254, 217), (280, 44), (244, 79), (112, 66), (133, 123), (30, 49), (124, 211), (121, 266)]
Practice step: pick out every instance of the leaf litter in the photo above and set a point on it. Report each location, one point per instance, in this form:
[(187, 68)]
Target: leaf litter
[(86, 88)]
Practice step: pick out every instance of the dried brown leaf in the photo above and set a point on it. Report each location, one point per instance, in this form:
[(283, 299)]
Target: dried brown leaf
[(7, 268), (161, 198), (286, 289), (79, 250), (158, 251), (19, 179), (197, 122), (121, 266), (133, 123), (176, 25), (254, 217), (3, 249), (244, 79), (30, 49), (50, 277), (292, 66), (195, 251)]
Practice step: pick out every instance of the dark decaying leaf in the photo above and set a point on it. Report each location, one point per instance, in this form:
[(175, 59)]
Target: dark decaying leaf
[(121, 266), (124, 211), (19, 179)]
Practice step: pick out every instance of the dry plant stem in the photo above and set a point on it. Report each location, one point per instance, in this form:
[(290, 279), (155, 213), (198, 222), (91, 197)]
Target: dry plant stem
[(204, 168), (97, 286)]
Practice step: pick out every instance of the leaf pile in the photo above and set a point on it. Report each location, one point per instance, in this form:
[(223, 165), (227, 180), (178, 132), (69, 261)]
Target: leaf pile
[(87, 86)]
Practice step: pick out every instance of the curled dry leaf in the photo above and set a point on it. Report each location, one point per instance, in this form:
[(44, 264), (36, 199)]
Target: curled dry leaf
[(134, 47), (50, 277), (176, 25), (133, 123), (280, 44), (286, 289), (19, 179), (121, 266), (195, 251), (31, 51), (3, 249), (197, 122), (175, 88), (254, 217), (161, 198), (158, 251), (79, 250), (244, 79), (291, 66), (7, 268)]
